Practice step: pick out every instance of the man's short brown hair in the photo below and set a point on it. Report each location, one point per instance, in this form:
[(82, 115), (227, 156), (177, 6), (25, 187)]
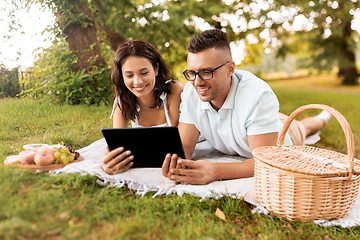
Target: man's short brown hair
[(213, 38)]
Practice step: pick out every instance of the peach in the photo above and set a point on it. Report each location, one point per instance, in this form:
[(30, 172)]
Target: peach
[(44, 159), (27, 157), (11, 159), (45, 149)]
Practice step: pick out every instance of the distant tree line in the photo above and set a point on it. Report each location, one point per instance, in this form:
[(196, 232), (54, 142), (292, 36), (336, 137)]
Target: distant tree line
[(10, 85)]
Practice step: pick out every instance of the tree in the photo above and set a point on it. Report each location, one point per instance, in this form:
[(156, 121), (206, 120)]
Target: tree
[(94, 28), (168, 26), (91, 27), (325, 35)]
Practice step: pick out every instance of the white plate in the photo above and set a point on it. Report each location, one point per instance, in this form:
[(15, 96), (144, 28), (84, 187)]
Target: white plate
[(56, 146), (34, 146)]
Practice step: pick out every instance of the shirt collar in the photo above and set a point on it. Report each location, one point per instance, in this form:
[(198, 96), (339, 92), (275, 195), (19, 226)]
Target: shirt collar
[(230, 98)]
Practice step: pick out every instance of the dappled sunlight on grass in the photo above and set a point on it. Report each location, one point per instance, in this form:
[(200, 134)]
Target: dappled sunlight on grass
[(323, 82), (332, 136)]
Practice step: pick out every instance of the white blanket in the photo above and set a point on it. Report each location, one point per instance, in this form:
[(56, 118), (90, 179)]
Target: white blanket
[(145, 180)]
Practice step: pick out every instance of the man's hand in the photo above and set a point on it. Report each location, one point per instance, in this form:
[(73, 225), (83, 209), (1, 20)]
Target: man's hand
[(170, 162), (188, 171)]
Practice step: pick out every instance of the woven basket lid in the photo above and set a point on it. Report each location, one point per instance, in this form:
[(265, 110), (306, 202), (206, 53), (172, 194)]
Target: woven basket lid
[(306, 160), (311, 160)]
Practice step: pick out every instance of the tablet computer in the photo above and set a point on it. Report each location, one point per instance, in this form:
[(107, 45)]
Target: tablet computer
[(148, 145)]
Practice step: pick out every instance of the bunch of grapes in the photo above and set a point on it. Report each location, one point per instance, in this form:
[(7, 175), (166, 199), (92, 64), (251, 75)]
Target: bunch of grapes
[(73, 151), (65, 155)]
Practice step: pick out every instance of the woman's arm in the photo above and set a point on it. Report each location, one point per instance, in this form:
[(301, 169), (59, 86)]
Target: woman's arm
[(119, 120), (174, 101), (118, 160)]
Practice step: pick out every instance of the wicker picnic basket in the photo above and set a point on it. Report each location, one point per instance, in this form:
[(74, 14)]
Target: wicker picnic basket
[(307, 183)]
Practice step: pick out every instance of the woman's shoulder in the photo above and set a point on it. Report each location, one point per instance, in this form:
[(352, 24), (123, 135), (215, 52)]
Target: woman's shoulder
[(176, 87), (175, 90)]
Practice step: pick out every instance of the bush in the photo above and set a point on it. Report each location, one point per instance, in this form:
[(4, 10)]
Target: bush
[(55, 80)]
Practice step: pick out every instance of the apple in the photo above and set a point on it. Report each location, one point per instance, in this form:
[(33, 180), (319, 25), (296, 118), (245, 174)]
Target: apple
[(27, 157), (44, 159), (45, 149)]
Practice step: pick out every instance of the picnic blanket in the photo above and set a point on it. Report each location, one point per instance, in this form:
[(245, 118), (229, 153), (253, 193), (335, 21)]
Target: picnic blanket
[(144, 180)]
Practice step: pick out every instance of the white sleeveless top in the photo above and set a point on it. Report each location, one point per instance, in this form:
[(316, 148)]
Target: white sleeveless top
[(135, 123)]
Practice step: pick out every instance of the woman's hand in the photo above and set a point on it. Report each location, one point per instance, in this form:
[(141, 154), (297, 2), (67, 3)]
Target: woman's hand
[(117, 161)]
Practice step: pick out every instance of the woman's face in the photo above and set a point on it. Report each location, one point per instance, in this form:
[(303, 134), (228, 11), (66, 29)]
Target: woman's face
[(139, 75)]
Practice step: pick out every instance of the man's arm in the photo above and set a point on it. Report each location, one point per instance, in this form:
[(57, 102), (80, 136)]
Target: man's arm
[(203, 172), (173, 101), (189, 136)]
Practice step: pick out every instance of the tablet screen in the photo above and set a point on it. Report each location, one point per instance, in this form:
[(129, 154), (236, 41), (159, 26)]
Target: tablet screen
[(148, 145)]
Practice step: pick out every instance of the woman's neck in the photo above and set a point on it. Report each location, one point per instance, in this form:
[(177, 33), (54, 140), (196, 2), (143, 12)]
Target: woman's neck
[(147, 101)]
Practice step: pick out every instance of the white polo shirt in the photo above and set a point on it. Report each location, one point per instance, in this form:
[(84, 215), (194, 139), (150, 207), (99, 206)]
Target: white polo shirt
[(250, 108)]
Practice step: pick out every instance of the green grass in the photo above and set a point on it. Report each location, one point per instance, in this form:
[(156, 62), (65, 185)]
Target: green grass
[(27, 121), (40, 206)]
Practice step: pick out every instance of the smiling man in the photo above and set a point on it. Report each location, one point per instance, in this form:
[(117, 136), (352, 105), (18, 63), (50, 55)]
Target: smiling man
[(234, 110)]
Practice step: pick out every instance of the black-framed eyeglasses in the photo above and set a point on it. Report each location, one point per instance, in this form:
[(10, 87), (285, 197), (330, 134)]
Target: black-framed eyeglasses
[(203, 74)]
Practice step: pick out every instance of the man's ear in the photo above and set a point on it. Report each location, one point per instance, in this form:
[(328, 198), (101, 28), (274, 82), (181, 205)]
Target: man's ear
[(231, 68)]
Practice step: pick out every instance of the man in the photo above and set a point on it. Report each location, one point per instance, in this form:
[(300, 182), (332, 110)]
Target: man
[(234, 110)]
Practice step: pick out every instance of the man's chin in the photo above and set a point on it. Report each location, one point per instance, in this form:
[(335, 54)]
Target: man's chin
[(205, 98)]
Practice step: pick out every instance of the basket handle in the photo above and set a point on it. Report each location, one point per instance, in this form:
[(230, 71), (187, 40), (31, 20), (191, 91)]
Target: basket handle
[(339, 117)]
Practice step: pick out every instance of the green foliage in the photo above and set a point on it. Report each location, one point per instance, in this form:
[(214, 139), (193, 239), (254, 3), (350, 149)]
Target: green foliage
[(72, 11), (168, 25), (326, 41), (56, 81)]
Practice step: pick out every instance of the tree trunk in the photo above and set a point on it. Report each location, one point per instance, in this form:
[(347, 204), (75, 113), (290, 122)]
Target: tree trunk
[(347, 68), (114, 39), (347, 65), (82, 40)]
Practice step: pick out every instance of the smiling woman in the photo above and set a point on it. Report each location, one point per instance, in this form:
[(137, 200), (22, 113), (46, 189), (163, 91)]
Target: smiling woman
[(143, 92), (22, 33), (144, 95)]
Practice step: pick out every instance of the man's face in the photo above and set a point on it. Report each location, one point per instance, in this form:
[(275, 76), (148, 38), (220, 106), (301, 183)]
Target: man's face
[(216, 89)]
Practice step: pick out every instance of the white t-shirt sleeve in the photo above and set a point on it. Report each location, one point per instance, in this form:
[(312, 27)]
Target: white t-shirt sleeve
[(263, 118)]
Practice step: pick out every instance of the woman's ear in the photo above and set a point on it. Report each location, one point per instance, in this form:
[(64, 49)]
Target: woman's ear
[(157, 69)]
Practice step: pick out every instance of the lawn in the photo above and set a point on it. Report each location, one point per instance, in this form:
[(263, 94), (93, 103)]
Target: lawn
[(41, 206)]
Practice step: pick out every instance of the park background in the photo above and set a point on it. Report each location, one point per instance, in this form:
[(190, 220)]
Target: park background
[(306, 50)]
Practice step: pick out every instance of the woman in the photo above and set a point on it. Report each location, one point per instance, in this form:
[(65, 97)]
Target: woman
[(143, 95)]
